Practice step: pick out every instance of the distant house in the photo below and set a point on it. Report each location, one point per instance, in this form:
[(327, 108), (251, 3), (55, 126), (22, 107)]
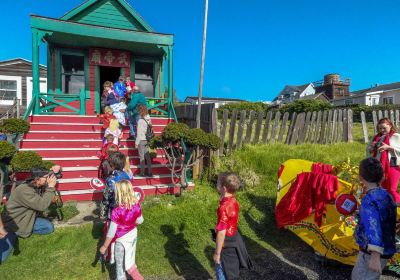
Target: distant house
[(16, 81), (377, 95), (217, 101), (292, 93), (317, 96)]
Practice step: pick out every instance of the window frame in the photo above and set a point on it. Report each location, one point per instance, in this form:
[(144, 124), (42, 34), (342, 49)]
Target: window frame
[(17, 79), (385, 99), (146, 60)]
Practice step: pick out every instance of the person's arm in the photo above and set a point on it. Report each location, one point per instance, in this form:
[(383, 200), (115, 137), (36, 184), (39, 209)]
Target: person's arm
[(3, 232), (370, 218), (112, 230), (219, 244), (32, 200), (133, 103)]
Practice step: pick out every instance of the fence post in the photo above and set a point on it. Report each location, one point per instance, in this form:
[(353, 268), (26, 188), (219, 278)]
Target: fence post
[(397, 116), (364, 126), (304, 130), (340, 126), (317, 128), (258, 127), (380, 115), (249, 127), (392, 117), (18, 108), (310, 136), (223, 131), (386, 114), (266, 126), (323, 127), (298, 125), (334, 126), (241, 129), (350, 126), (283, 126), (275, 127), (345, 126), (290, 131), (232, 130), (375, 119)]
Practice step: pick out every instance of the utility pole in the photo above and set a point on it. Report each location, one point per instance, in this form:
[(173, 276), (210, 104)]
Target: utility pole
[(203, 54)]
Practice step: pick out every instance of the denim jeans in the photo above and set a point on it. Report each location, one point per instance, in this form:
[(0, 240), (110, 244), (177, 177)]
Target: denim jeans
[(7, 246), (133, 119), (219, 271), (42, 226)]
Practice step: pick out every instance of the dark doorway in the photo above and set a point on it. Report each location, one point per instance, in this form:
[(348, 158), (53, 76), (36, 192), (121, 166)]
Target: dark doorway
[(108, 74)]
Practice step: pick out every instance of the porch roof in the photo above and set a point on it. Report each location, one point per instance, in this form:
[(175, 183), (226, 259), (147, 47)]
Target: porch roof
[(85, 35)]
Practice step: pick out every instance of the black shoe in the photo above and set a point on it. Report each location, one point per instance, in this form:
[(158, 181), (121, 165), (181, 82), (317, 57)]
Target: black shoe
[(142, 175), (131, 137), (150, 175)]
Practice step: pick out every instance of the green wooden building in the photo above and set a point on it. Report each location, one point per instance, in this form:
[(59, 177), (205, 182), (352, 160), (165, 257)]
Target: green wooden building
[(95, 42)]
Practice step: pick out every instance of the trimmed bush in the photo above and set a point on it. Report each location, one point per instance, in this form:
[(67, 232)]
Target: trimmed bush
[(248, 106), (300, 106), (17, 126), (214, 142), (7, 150), (175, 131), (47, 164), (26, 160), (156, 142)]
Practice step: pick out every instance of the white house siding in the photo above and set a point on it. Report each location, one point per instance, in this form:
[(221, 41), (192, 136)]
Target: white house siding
[(310, 90)]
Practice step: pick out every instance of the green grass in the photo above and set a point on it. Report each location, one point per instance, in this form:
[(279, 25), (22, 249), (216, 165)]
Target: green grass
[(174, 239)]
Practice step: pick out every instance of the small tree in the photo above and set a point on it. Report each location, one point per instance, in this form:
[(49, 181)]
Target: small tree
[(13, 128), (180, 144)]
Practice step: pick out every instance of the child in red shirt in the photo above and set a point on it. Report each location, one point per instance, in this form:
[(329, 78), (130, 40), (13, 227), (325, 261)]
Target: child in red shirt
[(230, 252), (106, 117)]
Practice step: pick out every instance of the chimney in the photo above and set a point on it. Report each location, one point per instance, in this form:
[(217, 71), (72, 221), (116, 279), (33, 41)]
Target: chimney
[(376, 85)]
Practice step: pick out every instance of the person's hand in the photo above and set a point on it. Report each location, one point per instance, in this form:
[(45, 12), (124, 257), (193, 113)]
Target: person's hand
[(375, 262), (3, 232), (56, 168), (122, 110), (51, 181), (384, 147), (217, 258), (103, 250)]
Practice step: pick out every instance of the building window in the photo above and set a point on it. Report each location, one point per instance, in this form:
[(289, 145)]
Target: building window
[(374, 101), (348, 102), (388, 100), (341, 91), (8, 89), (72, 73), (144, 77)]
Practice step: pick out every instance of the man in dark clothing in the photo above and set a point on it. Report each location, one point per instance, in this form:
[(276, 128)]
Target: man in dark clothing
[(26, 201), (137, 98)]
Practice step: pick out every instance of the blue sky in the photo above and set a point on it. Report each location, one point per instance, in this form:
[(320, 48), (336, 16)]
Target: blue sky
[(254, 47)]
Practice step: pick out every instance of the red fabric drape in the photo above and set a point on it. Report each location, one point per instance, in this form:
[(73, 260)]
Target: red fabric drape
[(384, 159), (321, 168), (310, 191)]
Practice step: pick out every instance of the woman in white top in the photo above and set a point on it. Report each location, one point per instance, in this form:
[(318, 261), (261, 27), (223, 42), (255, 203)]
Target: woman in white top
[(141, 141), (385, 147)]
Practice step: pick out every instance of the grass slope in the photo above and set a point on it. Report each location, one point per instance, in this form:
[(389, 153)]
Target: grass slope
[(174, 240)]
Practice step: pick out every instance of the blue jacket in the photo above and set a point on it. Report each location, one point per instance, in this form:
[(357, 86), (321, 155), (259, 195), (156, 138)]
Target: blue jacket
[(108, 202), (111, 99), (376, 229), (136, 99), (120, 89)]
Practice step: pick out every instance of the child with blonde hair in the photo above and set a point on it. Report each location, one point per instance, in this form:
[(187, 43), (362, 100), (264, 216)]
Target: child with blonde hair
[(122, 232), (114, 130)]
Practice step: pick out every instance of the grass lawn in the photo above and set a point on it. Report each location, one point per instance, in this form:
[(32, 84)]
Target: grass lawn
[(174, 240)]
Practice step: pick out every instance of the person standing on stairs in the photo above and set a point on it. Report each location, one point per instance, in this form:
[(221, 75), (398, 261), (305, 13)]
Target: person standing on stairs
[(142, 142), (137, 98)]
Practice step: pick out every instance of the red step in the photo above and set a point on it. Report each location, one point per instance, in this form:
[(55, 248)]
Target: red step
[(70, 143), (96, 196), (81, 152), (79, 127), (94, 161), (92, 172), (61, 135), (86, 119)]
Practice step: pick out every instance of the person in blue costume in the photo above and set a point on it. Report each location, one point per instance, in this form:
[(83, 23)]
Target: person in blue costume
[(120, 88), (376, 230)]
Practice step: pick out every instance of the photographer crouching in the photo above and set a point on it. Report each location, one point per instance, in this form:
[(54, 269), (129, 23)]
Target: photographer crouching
[(27, 200)]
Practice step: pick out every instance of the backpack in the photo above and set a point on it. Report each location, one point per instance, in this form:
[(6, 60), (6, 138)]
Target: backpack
[(149, 131)]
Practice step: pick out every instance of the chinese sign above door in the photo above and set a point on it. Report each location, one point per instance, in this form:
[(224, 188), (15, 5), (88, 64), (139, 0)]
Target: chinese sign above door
[(109, 57)]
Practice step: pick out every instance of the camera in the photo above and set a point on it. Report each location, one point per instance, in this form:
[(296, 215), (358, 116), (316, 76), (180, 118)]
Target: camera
[(58, 175)]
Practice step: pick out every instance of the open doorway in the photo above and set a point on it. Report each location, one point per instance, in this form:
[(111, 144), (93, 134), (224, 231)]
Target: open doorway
[(108, 74)]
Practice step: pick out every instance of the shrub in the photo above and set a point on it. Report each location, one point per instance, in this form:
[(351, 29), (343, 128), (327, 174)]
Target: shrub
[(175, 131), (299, 106), (214, 142), (47, 164), (26, 160), (196, 137), (17, 126), (248, 106), (7, 150), (156, 142)]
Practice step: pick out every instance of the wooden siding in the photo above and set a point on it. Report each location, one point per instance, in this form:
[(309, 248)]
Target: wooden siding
[(21, 69), (108, 14)]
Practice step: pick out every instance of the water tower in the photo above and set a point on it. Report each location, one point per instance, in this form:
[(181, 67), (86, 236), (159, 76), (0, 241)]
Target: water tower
[(333, 86)]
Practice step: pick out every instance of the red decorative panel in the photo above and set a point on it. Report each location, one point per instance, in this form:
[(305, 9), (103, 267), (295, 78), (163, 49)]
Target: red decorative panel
[(109, 57)]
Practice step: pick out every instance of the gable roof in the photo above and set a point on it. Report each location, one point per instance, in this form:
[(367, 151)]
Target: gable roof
[(20, 60), (385, 87), (108, 13), (320, 95)]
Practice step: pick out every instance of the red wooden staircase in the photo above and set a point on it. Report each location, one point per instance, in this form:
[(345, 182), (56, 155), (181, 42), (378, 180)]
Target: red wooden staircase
[(74, 141)]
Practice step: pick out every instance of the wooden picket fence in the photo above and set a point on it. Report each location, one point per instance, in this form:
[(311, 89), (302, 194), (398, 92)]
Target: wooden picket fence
[(394, 116), (323, 127)]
